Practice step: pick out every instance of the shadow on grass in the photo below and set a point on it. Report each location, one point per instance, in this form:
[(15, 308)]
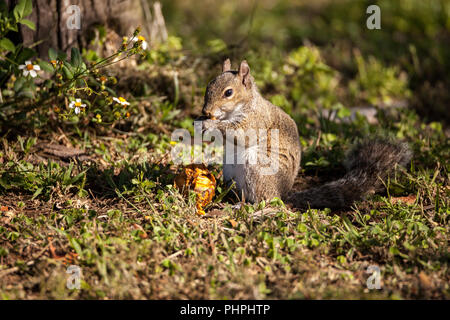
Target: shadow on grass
[(149, 176)]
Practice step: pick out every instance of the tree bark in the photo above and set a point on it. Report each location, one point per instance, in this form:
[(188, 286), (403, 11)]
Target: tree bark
[(54, 22)]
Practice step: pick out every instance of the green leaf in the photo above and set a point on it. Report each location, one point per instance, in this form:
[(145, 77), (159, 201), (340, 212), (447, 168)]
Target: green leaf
[(344, 112), (46, 66), (36, 193), (75, 58), (217, 45), (68, 70), (76, 246), (7, 45), (28, 8), (18, 85), (28, 91), (25, 88), (3, 183), (67, 73), (166, 263), (62, 55), (52, 54), (18, 9), (28, 23), (22, 9), (67, 174)]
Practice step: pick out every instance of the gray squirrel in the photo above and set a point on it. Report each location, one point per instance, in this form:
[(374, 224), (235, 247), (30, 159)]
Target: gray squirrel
[(233, 102)]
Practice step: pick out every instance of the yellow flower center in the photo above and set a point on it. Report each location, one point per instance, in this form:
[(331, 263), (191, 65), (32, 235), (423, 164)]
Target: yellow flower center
[(29, 66), (122, 99), (77, 104), (141, 38)]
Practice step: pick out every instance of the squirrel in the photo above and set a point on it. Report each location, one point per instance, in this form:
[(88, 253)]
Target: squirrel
[(233, 102)]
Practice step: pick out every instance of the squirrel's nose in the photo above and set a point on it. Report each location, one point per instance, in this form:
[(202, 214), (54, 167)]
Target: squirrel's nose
[(206, 112)]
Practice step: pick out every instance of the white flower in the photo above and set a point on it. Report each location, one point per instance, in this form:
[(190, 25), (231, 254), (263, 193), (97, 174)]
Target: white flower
[(29, 69), (77, 105), (143, 41), (122, 101)]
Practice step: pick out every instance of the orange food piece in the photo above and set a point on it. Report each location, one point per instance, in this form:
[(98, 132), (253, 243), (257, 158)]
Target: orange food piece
[(198, 178), (411, 199)]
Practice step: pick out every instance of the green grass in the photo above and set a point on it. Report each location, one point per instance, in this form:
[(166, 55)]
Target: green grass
[(135, 236)]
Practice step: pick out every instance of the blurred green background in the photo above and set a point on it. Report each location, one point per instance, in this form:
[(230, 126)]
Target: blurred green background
[(408, 60)]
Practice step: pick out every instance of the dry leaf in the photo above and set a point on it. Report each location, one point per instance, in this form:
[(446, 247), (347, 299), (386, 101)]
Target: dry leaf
[(142, 234), (233, 223), (215, 213), (425, 280), (70, 258)]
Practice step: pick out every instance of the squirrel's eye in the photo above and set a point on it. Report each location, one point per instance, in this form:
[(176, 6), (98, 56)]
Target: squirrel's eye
[(228, 93)]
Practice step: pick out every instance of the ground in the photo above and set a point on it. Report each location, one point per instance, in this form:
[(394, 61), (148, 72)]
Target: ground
[(102, 196)]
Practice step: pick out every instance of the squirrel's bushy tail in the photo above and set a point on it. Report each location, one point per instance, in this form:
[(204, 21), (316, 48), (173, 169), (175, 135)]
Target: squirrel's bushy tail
[(367, 163)]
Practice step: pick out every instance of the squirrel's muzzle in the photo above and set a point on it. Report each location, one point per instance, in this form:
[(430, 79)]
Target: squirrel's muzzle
[(207, 113)]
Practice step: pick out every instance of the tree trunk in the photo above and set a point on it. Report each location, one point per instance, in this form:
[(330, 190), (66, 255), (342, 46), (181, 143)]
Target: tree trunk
[(56, 21)]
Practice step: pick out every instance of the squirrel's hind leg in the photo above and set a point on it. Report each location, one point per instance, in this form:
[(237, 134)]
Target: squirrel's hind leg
[(261, 186)]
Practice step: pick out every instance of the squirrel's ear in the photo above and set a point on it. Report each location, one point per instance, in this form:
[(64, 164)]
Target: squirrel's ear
[(226, 65), (244, 73)]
